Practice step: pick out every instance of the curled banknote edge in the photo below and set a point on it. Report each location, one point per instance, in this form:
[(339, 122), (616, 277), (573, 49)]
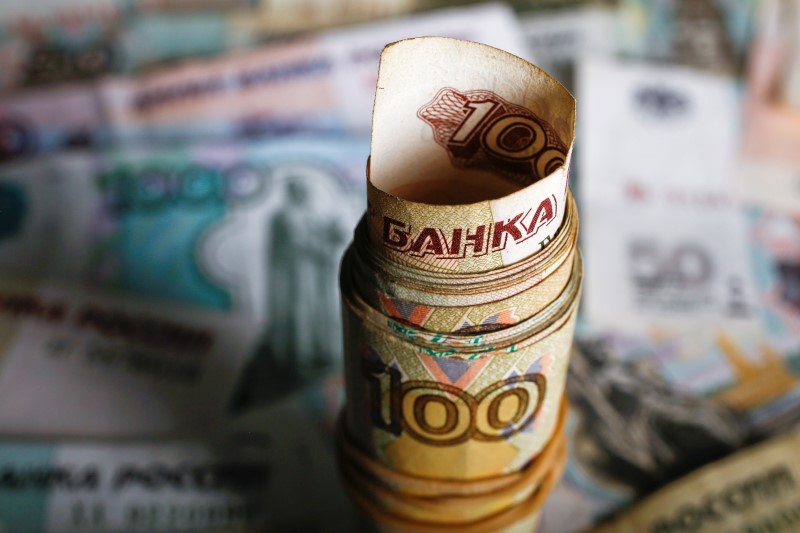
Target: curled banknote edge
[(460, 292), (753, 490)]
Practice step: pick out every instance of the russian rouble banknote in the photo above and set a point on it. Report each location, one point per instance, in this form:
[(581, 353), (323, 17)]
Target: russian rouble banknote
[(50, 43), (769, 169), (753, 490), (689, 347), (665, 240), (707, 34), (647, 409), (323, 82), (250, 228), (560, 39), (260, 472), (78, 363)]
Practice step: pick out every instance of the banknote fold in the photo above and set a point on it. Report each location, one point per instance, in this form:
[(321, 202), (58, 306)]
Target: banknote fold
[(459, 292)]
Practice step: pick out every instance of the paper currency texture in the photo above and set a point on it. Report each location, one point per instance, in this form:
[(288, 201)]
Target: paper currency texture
[(753, 490), (460, 291)]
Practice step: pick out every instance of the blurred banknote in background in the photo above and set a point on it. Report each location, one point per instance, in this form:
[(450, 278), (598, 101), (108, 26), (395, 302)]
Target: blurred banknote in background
[(255, 228), (754, 490), (179, 179), (707, 34), (323, 82), (689, 346), (685, 258), (44, 44), (769, 172), (560, 39), (262, 473), (79, 363)]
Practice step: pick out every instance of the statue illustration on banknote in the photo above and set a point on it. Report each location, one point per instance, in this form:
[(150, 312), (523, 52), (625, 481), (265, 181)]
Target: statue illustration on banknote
[(302, 254), (666, 433), (304, 235)]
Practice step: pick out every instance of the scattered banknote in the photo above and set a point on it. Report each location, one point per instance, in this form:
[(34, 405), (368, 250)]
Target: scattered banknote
[(769, 169), (78, 363), (271, 17), (318, 83), (322, 82), (559, 39), (632, 428), (46, 120), (790, 87), (753, 490), (251, 228), (682, 258), (708, 34), (262, 472), (680, 400), (77, 45)]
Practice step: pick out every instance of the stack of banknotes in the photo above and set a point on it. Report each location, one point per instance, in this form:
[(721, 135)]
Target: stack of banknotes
[(178, 186), (460, 292)]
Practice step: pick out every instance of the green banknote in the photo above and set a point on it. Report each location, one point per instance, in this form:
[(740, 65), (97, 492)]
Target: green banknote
[(251, 228)]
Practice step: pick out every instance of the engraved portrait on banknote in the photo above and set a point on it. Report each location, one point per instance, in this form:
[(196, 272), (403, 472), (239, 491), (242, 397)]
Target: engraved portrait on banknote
[(306, 223)]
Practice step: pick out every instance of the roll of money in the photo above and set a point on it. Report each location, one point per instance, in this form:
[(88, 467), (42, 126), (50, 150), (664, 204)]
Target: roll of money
[(459, 293)]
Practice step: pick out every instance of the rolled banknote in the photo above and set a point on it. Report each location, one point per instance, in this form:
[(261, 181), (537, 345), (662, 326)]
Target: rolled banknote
[(489, 183), (753, 490), (442, 422), (450, 303)]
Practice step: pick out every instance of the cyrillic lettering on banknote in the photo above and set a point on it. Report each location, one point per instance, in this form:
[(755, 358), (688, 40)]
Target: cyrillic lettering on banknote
[(711, 511), (459, 243)]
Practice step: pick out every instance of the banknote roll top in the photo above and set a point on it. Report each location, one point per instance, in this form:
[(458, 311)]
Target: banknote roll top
[(470, 156)]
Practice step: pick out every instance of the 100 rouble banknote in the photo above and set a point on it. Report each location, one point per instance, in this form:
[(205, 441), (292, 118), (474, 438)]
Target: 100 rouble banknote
[(442, 144), (448, 422)]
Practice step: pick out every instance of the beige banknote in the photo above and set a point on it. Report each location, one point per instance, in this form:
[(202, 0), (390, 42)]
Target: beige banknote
[(458, 322), (468, 169), (753, 490)]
